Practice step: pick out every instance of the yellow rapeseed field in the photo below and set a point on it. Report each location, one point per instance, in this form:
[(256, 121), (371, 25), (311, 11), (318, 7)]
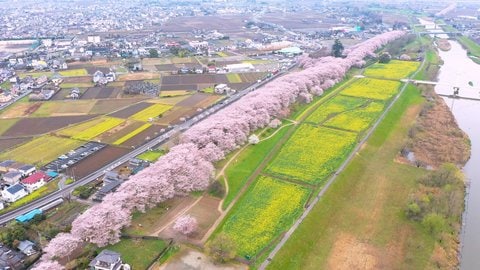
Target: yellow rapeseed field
[(395, 69), (372, 88)]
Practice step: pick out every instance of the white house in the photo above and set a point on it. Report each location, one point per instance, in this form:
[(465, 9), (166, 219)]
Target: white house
[(243, 67), (221, 88), (27, 170), (12, 177), (14, 193), (35, 181), (106, 260)]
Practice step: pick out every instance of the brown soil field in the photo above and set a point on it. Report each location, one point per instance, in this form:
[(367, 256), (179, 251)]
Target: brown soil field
[(166, 67), (21, 109), (10, 143), (119, 131), (252, 76), (81, 79), (206, 212), (101, 93), (131, 110), (41, 125), (191, 79), (105, 106), (168, 100), (96, 161), (91, 70), (173, 116), (138, 76), (221, 78), (199, 100), (240, 86), (174, 87), (141, 137)]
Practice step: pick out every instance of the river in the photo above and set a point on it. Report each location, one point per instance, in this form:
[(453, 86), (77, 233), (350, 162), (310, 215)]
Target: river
[(460, 71)]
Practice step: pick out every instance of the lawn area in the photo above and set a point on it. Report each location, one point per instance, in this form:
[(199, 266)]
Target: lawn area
[(148, 220), (361, 217), (372, 89), (74, 72), (152, 155), (132, 134), (91, 132), (245, 164), (268, 208), (42, 191), (312, 154), (64, 107), (472, 47), (41, 150), (233, 78), (156, 110), (395, 69), (138, 253), (5, 124)]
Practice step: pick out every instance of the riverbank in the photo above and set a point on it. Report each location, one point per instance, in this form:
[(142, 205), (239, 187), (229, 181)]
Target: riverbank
[(436, 138), (443, 44)]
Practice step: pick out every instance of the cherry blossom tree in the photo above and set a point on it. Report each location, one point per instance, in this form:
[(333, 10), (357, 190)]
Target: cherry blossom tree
[(274, 123), (186, 225), (188, 166), (253, 139), (48, 265)]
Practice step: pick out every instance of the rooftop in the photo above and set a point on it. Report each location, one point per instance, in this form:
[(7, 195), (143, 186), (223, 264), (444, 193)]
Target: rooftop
[(34, 178)]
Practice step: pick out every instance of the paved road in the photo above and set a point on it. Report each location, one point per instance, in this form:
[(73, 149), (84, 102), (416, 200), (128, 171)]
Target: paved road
[(297, 223), (162, 138)]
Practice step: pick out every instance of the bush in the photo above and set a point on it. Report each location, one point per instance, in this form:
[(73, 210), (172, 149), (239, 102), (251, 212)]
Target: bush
[(221, 249), (83, 192), (434, 223), (216, 189)]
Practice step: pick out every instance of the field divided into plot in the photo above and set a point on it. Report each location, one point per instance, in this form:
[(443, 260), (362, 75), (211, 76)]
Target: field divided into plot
[(153, 111), (41, 150), (312, 154), (91, 129), (394, 69), (132, 134), (269, 207), (358, 119), (372, 89)]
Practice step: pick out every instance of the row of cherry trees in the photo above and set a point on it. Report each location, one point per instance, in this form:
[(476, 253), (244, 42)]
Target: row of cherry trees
[(188, 166)]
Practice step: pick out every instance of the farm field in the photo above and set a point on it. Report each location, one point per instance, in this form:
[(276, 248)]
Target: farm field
[(329, 147), (5, 124), (395, 69), (39, 151), (372, 89), (42, 125), (90, 130), (342, 234), (64, 107), (114, 134), (238, 172), (357, 119), (153, 111), (334, 106), (132, 134), (234, 78), (20, 109), (105, 106), (272, 206)]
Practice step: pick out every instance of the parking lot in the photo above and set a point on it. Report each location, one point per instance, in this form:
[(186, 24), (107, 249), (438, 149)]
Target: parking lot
[(74, 156)]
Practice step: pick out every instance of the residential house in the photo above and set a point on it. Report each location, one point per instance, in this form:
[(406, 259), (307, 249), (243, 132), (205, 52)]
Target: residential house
[(11, 259), (97, 76), (5, 166), (75, 93), (27, 247), (106, 260), (111, 186), (14, 193), (11, 178), (35, 181), (221, 88), (27, 170)]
